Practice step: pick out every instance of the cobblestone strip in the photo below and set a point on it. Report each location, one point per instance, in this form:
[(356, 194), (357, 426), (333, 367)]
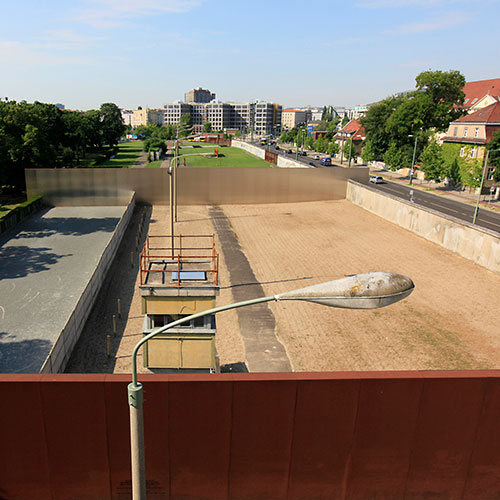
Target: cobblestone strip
[(264, 352)]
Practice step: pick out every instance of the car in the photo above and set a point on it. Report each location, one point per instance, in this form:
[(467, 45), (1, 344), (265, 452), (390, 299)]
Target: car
[(316, 157), (277, 147), (327, 162), (290, 152), (312, 164), (376, 179), (303, 153)]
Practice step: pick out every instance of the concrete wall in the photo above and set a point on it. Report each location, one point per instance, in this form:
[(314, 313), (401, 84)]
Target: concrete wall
[(61, 351), (356, 436), (260, 152), (250, 148), (196, 186), (472, 242)]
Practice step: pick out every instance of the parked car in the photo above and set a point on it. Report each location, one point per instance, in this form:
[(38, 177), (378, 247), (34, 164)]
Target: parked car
[(303, 153), (290, 152), (327, 162), (316, 157), (277, 147), (312, 164), (376, 179)]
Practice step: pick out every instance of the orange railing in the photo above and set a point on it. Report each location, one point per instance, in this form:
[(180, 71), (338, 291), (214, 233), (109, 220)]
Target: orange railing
[(162, 256)]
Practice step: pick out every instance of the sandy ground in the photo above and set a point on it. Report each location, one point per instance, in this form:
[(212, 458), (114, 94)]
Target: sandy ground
[(449, 322)]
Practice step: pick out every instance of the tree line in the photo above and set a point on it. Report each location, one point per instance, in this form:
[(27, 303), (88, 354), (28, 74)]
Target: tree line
[(404, 127), (40, 135)]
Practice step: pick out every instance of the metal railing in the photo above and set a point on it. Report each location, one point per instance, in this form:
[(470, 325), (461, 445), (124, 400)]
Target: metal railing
[(162, 265)]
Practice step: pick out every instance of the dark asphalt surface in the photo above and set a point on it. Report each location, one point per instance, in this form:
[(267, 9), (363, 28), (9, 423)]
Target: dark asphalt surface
[(462, 211)]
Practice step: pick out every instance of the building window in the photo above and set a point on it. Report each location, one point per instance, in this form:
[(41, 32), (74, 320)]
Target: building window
[(465, 131), (472, 152), (455, 131), (489, 175), (476, 132), (462, 151)]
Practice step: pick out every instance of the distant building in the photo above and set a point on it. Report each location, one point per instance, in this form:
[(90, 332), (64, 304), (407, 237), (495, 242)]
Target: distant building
[(293, 117), (198, 95), (355, 131), (261, 118), (60, 106), (467, 137), (481, 94)]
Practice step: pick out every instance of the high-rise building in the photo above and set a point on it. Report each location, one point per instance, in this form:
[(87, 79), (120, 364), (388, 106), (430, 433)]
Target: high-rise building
[(198, 95), (261, 118)]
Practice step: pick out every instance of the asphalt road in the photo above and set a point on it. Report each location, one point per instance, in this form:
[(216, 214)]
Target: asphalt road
[(457, 209), (306, 160)]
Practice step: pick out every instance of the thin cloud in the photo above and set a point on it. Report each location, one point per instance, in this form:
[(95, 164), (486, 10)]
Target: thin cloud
[(20, 54), (69, 36), (434, 25), (112, 13)]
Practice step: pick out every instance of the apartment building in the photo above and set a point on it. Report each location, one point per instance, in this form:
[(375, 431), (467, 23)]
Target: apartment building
[(198, 95), (293, 117), (263, 118), (137, 117)]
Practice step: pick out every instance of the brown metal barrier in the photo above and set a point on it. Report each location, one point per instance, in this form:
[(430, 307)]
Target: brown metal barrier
[(290, 436), (158, 259)]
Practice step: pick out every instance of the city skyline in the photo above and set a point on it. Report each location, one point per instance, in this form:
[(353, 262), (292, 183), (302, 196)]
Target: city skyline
[(148, 55)]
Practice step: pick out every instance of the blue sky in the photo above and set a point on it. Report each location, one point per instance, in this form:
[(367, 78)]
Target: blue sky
[(148, 53)]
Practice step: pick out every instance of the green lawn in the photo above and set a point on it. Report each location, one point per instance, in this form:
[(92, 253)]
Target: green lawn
[(127, 155), (228, 157)]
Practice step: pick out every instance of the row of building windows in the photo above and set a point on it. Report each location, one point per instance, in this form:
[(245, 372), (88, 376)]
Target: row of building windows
[(466, 131)]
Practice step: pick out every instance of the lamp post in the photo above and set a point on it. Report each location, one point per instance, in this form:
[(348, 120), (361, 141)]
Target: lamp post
[(413, 160), (362, 291), (350, 149), (485, 167)]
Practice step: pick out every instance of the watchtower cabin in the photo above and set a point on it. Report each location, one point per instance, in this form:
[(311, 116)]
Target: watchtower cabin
[(179, 276)]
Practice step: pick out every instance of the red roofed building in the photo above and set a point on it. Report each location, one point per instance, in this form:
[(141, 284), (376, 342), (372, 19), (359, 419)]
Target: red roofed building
[(355, 131), (468, 135), (481, 94)]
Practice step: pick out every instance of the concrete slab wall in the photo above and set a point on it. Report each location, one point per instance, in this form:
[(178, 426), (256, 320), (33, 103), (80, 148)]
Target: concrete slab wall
[(196, 186), (351, 435), (472, 242), (61, 351), (260, 152)]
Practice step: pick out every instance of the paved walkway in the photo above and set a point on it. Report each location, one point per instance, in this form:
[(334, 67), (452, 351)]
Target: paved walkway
[(264, 352), (45, 265)]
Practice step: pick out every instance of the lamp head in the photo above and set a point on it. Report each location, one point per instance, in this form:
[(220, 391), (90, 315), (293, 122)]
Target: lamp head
[(361, 291)]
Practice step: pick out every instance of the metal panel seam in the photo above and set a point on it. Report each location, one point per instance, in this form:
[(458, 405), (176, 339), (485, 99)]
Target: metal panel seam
[(478, 424), (419, 409), (106, 420), (230, 444), (290, 453), (353, 439)]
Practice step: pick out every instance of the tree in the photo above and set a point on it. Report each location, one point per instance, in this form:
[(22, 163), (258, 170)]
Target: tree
[(112, 124), (432, 161), (454, 172), (367, 152), (345, 121), (207, 127), (333, 148), (185, 125), (494, 155), (395, 158)]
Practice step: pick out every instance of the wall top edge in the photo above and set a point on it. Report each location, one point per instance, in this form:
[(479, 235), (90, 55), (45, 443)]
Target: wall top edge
[(257, 377)]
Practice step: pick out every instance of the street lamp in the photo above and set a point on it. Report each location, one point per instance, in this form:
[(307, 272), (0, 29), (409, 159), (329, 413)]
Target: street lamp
[(413, 160), (362, 291), (485, 166)]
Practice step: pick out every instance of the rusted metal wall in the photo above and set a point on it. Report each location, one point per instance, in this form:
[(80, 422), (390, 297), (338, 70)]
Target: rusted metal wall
[(271, 157), (384, 435), (196, 186)]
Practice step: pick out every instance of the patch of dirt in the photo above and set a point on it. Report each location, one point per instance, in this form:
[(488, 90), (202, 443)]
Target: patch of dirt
[(449, 322)]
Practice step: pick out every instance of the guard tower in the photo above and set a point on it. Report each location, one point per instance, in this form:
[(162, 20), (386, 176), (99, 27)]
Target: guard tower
[(179, 276)]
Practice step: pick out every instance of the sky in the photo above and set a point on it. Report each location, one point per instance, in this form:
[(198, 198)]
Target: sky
[(150, 52)]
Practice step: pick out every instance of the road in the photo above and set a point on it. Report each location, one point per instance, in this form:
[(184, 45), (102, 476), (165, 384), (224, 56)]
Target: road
[(459, 210), (462, 211)]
